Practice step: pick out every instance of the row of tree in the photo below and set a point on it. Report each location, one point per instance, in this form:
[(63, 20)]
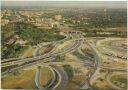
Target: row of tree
[(32, 34)]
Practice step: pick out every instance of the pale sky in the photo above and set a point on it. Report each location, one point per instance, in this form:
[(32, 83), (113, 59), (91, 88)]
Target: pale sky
[(106, 4)]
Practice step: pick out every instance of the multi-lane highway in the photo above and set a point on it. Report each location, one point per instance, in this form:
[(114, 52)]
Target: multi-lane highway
[(37, 79), (50, 56), (63, 79), (88, 82), (54, 84), (25, 58), (34, 60)]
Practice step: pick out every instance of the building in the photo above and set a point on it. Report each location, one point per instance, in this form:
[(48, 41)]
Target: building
[(70, 30), (58, 17), (4, 22)]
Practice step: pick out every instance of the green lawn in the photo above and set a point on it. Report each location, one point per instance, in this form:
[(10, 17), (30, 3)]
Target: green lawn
[(22, 80), (46, 75)]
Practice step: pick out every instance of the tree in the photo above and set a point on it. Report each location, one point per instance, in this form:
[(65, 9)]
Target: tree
[(69, 71)]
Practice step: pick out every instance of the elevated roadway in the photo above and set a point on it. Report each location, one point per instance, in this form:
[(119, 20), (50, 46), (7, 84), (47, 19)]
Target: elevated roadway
[(43, 58)]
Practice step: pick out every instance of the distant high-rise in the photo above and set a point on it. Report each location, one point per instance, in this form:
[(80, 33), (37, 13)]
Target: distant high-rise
[(105, 13)]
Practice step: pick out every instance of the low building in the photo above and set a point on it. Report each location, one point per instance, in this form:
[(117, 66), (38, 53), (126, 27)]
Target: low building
[(4, 22), (70, 30), (58, 17)]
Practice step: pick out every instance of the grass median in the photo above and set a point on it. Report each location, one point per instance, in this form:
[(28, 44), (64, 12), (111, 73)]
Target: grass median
[(46, 75)]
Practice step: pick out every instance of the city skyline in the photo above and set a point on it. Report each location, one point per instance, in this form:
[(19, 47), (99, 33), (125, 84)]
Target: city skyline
[(85, 4), (64, 45)]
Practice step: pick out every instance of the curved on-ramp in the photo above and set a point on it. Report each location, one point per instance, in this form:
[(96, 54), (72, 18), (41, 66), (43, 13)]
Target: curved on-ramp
[(62, 80)]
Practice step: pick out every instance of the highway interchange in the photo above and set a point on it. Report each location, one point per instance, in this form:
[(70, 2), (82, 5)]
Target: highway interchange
[(77, 40), (42, 58)]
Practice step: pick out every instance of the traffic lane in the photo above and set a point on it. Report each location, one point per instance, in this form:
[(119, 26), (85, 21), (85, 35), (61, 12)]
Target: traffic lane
[(13, 59), (37, 57), (64, 79), (77, 43)]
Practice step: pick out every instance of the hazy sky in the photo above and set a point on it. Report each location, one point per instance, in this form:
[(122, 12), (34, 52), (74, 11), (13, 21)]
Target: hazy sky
[(107, 4)]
